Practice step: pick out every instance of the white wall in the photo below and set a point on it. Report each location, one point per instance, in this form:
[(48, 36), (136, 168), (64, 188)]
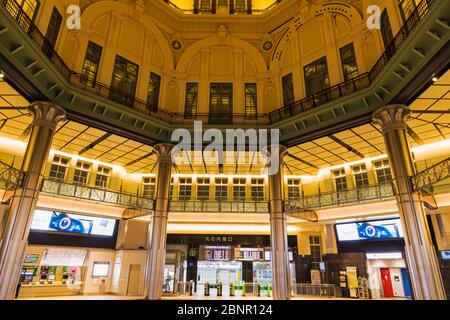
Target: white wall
[(373, 270)]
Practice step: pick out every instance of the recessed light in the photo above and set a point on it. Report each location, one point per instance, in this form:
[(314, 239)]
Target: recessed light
[(435, 79), (2, 75)]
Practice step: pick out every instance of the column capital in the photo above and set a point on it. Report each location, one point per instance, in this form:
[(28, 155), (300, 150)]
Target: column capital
[(46, 114), (164, 153), (391, 117)]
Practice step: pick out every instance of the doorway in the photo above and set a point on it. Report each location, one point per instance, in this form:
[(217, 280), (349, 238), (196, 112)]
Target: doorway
[(387, 283), (133, 280)]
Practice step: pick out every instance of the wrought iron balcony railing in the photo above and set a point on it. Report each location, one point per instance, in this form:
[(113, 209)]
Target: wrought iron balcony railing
[(428, 177), (300, 213), (92, 193), (219, 206), (230, 7), (340, 198), (330, 94), (10, 177)]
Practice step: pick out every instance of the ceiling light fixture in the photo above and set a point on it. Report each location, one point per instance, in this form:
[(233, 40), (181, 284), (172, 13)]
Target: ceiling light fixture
[(2, 75), (435, 79)]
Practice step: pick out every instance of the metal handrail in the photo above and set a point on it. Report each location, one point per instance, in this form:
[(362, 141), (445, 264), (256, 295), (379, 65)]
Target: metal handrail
[(210, 11), (219, 206), (379, 191), (10, 177), (340, 90), (426, 178), (317, 290), (97, 194)]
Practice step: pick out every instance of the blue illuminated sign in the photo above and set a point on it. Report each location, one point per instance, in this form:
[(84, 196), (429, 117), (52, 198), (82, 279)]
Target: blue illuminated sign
[(369, 230)]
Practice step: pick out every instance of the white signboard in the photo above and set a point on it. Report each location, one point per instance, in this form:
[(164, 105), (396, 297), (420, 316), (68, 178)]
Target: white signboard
[(70, 258)]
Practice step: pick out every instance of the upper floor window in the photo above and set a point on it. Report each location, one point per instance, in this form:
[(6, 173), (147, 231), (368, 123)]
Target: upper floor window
[(205, 6), (53, 27), (59, 167), (171, 189), (348, 60), (191, 100), (340, 180), (148, 190), (316, 254), (102, 177), (257, 189), (386, 29), (250, 101), (81, 173), (288, 89), (316, 76), (383, 171), (221, 103), (30, 7), (407, 8), (153, 92), (238, 189), (240, 5), (221, 188), (91, 63), (185, 190), (293, 188), (361, 177), (124, 80), (203, 188)]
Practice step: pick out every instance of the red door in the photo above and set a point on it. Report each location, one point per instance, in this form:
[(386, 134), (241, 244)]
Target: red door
[(386, 281)]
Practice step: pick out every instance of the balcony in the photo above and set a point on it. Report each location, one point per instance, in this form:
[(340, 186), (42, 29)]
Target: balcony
[(231, 7), (375, 192), (437, 174), (10, 177), (99, 90), (96, 194), (219, 206)]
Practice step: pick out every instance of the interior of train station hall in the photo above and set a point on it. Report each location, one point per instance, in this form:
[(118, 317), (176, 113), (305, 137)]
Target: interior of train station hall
[(345, 194)]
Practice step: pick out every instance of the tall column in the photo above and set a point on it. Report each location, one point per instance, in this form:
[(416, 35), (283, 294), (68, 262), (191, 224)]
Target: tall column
[(158, 226), (278, 233), (420, 253), (46, 115)]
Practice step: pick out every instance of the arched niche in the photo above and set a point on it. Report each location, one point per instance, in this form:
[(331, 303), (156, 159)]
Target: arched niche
[(136, 26)]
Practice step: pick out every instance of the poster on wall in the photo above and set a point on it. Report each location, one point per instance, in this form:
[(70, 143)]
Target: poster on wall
[(369, 230), (352, 281), (100, 269), (72, 223)]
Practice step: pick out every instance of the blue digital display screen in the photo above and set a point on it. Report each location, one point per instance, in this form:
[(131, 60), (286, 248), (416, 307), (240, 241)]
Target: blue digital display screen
[(369, 230), (445, 255), (72, 223)]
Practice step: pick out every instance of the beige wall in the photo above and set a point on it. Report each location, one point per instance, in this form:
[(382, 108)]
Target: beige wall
[(132, 31), (122, 262)]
